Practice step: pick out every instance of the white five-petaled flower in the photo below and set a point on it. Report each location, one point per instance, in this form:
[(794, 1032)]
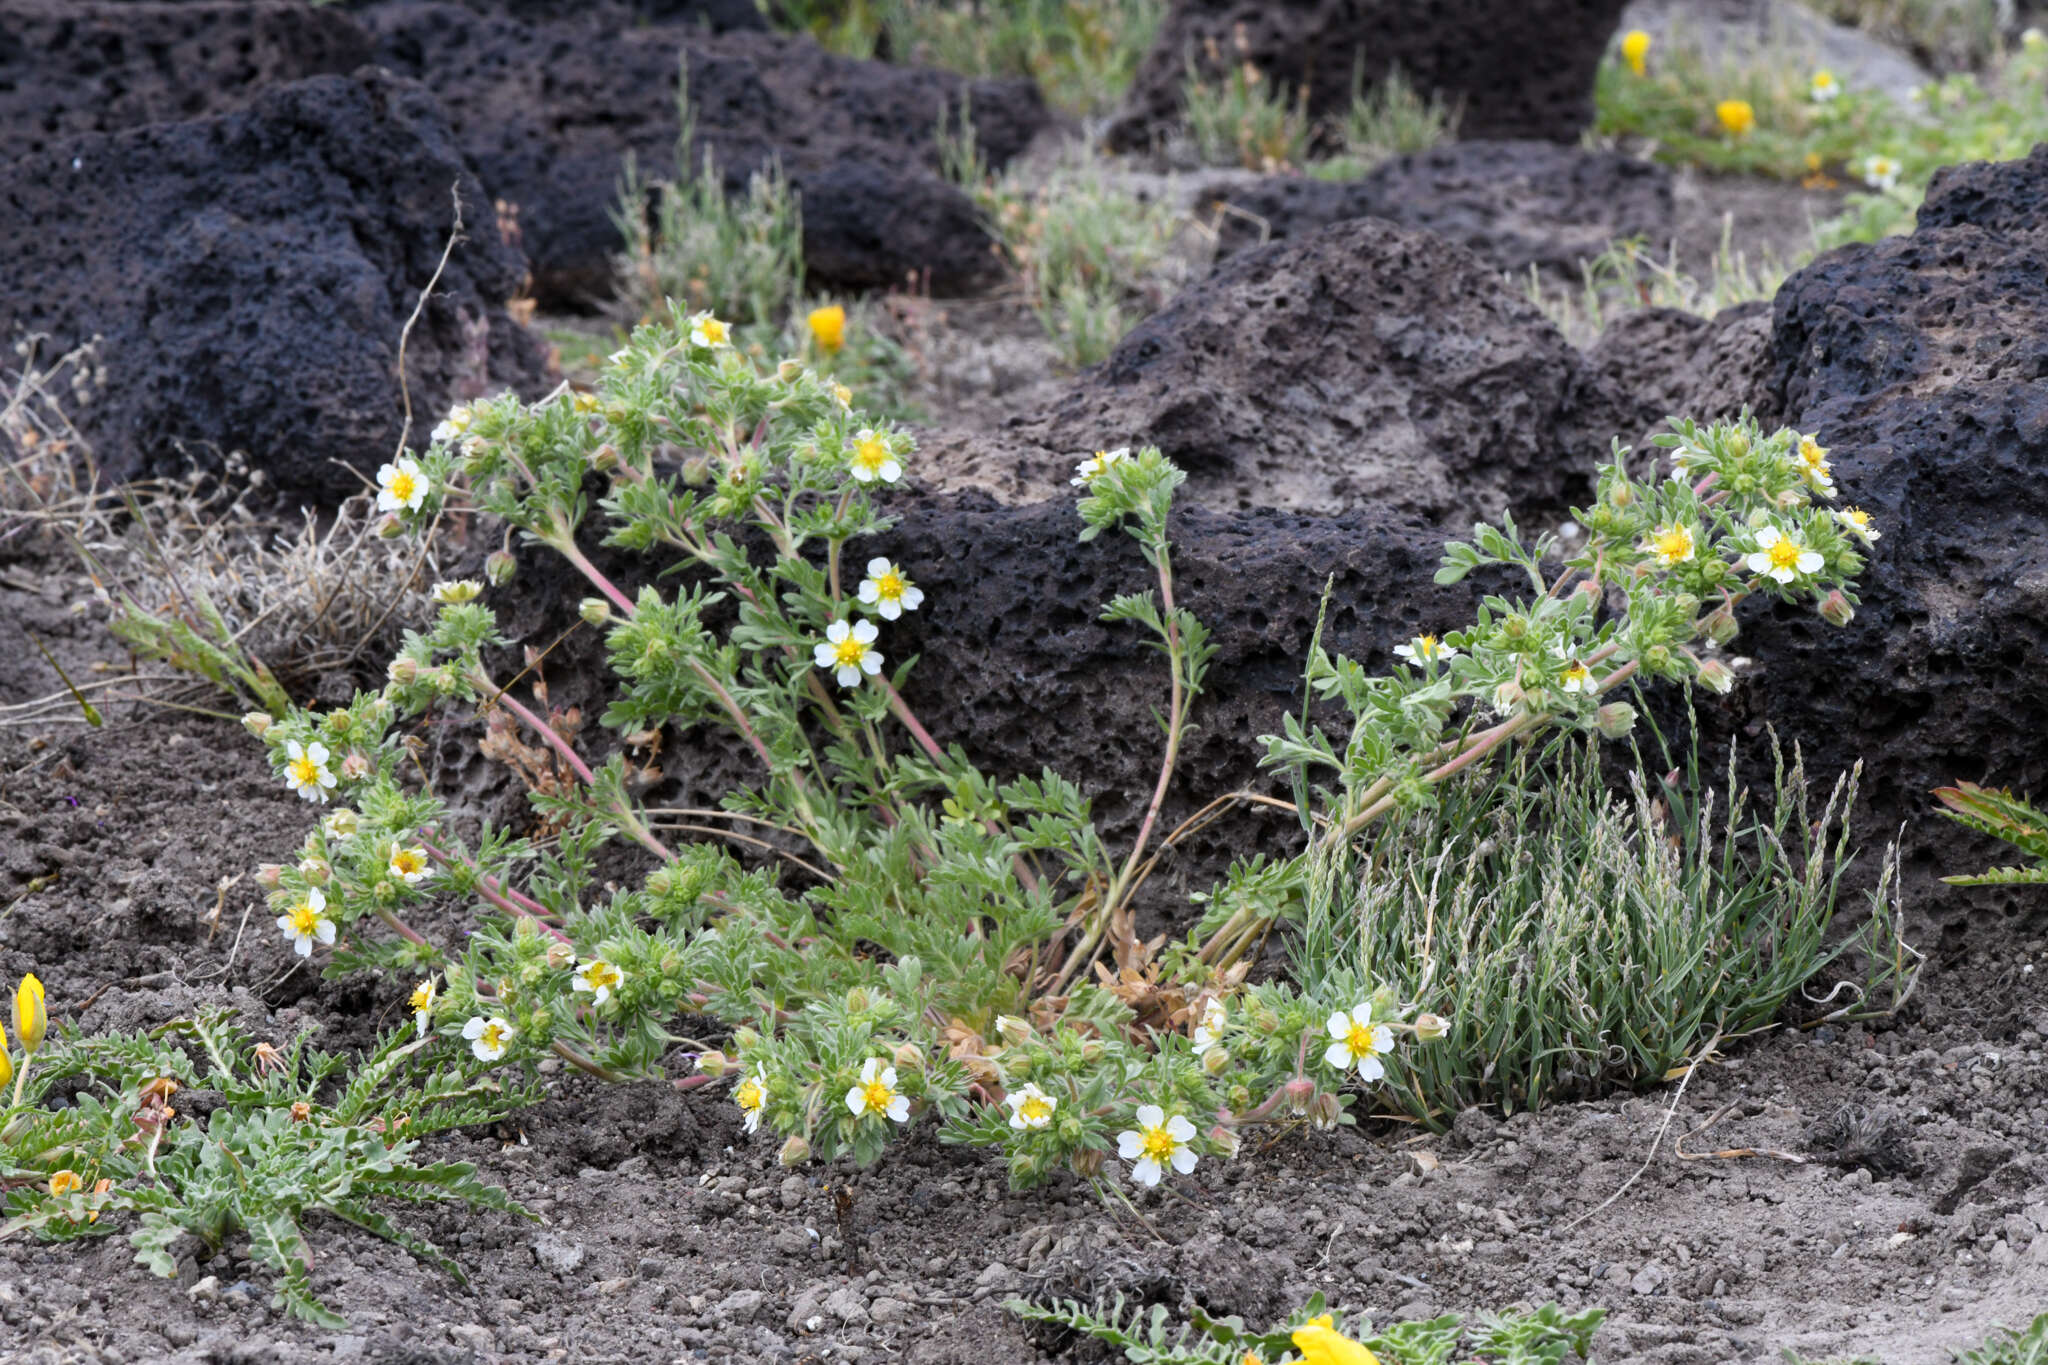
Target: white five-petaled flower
[(1156, 1143), (423, 1004), (1856, 522), (457, 592), (488, 1038), (409, 865), (888, 590), (1359, 1042), (1209, 1028), (1824, 86), (1426, 649), (1812, 458), (1030, 1107), (1671, 544), (1880, 173), (1577, 677), (455, 425), (873, 458), (306, 923), (752, 1098), (708, 332), (876, 1093), (305, 770), (848, 650), (1096, 465), (599, 978), (401, 487), (1779, 556)]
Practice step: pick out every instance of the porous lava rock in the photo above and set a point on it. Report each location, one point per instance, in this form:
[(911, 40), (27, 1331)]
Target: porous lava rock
[(69, 67), (249, 276), (547, 112), (1922, 363), (1515, 68), (1665, 362), (1362, 364), (1513, 204)]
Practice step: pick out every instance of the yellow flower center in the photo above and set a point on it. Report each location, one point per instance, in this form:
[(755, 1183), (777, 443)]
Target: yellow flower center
[(714, 331), (889, 587), (1578, 673), (870, 455), (422, 998), (849, 652), (877, 1096), (601, 975), (304, 771), (403, 486), (1159, 1145), (1426, 646), (750, 1095), (1359, 1040), (493, 1036), (408, 862), (1673, 543), (305, 919), (1784, 553), (843, 394), (1035, 1109), (1857, 517)]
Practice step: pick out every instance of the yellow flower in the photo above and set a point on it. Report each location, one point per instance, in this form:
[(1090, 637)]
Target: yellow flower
[(708, 332), (1577, 677), (1737, 118), (843, 394), (752, 1098), (423, 1004), (6, 1062), (828, 327), (1322, 1344), (1635, 46), (65, 1182), (1780, 557), (30, 1020), (409, 865), (1671, 544), (585, 403), (1813, 466)]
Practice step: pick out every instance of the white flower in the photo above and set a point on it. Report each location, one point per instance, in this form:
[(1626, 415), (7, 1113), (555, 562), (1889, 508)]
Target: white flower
[(842, 395), (848, 651), (454, 594), (1671, 544), (488, 1038), (1209, 1030), (1359, 1042), (876, 1093), (305, 770), (888, 590), (1880, 173), (1856, 522), (1577, 677), (1780, 557), (1812, 460), (708, 332), (1030, 1107), (1426, 649), (306, 923), (454, 425), (1156, 1143), (409, 865), (1824, 87), (873, 458), (1096, 465), (401, 487), (599, 978), (423, 1004), (752, 1097)]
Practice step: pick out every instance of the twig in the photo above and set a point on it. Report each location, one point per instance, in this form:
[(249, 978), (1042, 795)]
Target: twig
[(1730, 1153), (1704, 1053)]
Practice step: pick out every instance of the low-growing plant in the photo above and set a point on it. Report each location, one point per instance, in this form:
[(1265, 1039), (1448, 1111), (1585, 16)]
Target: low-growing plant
[(2027, 1346), (1949, 35), (1238, 117), (1628, 275), (94, 1140), (1388, 120), (1316, 1336)]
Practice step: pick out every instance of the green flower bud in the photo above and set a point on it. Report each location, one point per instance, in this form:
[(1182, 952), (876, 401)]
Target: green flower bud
[(257, 723), (1614, 720), (499, 566), (594, 610), (1835, 609), (1215, 1060), (795, 1152)]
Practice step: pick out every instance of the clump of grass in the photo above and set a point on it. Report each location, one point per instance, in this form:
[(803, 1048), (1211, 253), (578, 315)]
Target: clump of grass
[(1389, 120), (1242, 119), (1628, 276), (1580, 942)]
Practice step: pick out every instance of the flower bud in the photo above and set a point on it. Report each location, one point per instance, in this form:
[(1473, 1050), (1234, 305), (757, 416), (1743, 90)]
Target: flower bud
[(795, 1152), (910, 1057), (1215, 1060), (341, 824), (1325, 1112), (1430, 1027), (301, 1111), (595, 611), (1835, 609), (696, 471), (316, 871), (1738, 443), (1590, 589), (356, 766), (1507, 696), (1720, 625), (1621, 494), (713, 1063), (857, 1001), (585, 403), (1716, 676), (1086, 1163), (1300, 1094), (789, 371), (1225, 1141), (257, 723), (605, 458), (1614, 720), (402, 671), (1011, 1029), (269, 875), (561, 955), (499, 566), (390, 527)]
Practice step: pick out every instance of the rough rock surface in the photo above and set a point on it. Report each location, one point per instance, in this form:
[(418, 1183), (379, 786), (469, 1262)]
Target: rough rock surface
[(547, 111), (1363, 364), (1514, 204), (1922, 362), (68, 68), (1517, 68), (250, 275), (1739, 31), (1668, 363)]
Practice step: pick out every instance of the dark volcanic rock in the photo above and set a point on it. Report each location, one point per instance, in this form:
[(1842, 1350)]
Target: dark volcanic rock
[(69, 68), (1669, 363), (1361, 365), (1922, 362), (250, 275), (547, 112), (1514, 204), (1517, 68)]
